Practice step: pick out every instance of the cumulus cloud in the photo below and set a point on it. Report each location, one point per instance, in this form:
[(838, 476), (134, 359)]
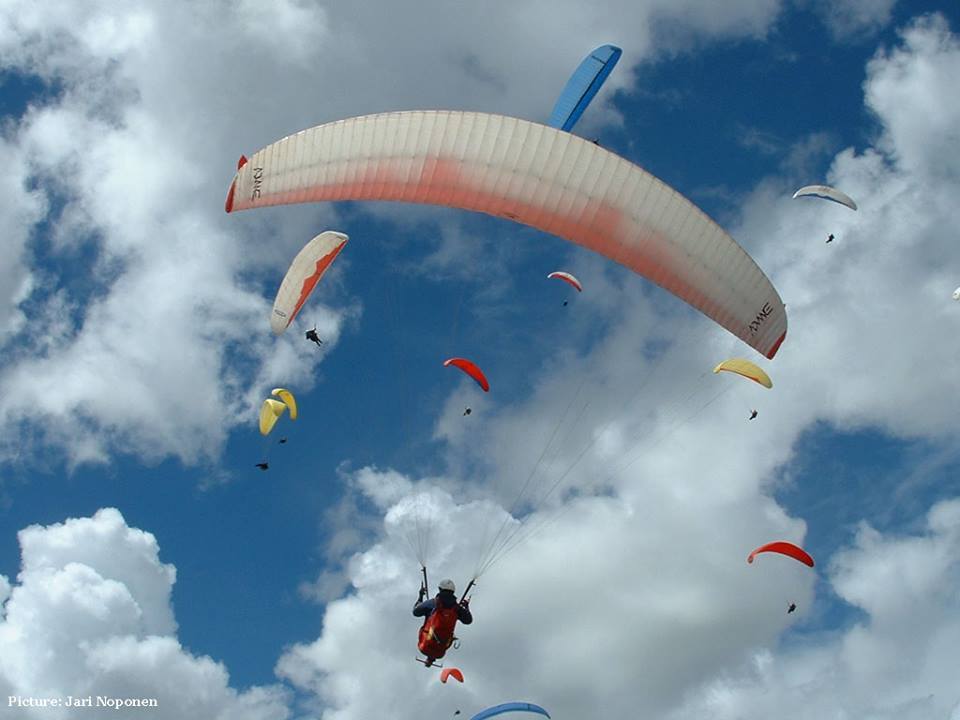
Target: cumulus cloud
[(91, 615), (21, 208), (896, 664)]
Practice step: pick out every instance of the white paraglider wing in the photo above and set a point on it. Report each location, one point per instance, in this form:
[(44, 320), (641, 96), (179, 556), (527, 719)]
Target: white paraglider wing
[(827, 193), (568, 278), (535, 175), (305, 272)]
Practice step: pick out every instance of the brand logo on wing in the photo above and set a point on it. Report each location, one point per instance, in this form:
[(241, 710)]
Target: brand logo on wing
[(257, 183), (281, 313), (760, 318)]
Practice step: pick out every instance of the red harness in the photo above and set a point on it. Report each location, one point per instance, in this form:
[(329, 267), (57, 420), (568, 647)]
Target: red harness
[(436, 634)]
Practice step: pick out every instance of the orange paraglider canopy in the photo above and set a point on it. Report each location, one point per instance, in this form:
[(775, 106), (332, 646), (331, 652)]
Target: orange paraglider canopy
[(784, 548), (470, 369), (451, 672)]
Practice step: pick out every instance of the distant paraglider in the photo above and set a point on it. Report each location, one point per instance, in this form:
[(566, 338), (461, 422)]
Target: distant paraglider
[(583, 85), (827, 193), (784, 548), (470, 369), (451, 673), (510, 707), (747, 369), (271, 410), (304, 273), (567, 278), (560, 183)]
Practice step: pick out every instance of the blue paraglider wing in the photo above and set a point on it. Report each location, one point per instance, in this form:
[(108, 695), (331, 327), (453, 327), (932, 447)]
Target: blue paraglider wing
[(586, 80), (510, 707)]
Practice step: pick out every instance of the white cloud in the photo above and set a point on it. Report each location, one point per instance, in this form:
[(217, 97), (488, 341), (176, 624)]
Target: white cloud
[(905, 88), (91, 614), (4, 592), (21, 209), (849, 18), (897, 664)]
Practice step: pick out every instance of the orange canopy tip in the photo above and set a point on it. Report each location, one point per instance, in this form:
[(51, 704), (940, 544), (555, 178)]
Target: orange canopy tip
[(228, 205)]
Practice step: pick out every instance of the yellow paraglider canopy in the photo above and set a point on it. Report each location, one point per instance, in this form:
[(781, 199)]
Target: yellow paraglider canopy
[(288, 400), (747, 369), (270, 412)]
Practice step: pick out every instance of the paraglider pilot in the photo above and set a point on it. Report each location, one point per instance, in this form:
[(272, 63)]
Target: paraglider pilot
[(312, 336), (441, 614), (263, 466), (793, 606), (467, 411), (830, 238), (753, 414)]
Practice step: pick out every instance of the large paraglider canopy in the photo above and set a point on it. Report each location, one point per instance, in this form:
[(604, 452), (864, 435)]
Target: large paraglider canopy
[(305, 272), (784, 548), (583, 85), (471, 369), (566, 277), (533, 174), (510, 707), (745, 368), (827, 193)]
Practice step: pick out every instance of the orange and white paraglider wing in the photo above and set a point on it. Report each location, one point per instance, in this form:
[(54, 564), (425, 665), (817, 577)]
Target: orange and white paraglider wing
[(471, 369), (536, 175), (784, 548), (305, 272), (566, 277)]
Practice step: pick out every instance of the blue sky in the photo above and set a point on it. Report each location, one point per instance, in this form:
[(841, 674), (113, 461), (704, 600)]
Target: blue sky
[(135, 346)]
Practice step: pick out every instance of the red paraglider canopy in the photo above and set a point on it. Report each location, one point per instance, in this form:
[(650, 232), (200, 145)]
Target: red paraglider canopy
[(451, 672), (784, 548), (470, 369)]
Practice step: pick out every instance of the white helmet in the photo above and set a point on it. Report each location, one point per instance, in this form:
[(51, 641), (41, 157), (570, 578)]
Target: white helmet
[(447, 585)]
